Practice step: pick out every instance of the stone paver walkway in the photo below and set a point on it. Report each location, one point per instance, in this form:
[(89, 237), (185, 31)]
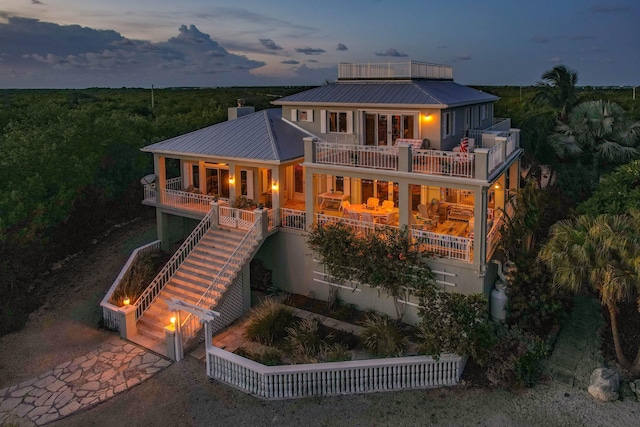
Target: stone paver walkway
[(577, 350), (84, 381)]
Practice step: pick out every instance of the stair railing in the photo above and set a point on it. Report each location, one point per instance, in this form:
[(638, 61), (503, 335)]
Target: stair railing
[(229, 270), (169, 269)]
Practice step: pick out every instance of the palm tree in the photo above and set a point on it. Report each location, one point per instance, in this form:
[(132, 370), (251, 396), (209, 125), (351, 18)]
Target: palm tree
[(603, 253), (558, 90), (597, 132)]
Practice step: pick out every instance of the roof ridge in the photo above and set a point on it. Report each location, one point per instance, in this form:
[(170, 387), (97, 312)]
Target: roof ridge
[(414, 83), (272, 139)]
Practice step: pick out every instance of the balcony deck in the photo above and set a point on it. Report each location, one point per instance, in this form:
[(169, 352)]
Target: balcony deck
[(494, 149)]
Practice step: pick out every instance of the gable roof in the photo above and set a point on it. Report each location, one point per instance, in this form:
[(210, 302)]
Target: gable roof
[(261, 136), (415, 93)]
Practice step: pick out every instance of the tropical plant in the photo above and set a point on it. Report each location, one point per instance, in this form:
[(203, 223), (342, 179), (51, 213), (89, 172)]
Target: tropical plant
[(597, 134), (268, 322), (456, 323), (386, 259), (602, 253), (382, 337), (303, 340), (617, 192), (137, 278), (558, 90)]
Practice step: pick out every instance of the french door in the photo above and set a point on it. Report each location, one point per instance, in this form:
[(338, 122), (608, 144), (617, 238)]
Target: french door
[(383, 129)]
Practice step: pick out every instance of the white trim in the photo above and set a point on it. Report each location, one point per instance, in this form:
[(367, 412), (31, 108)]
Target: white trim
[(323, 121)]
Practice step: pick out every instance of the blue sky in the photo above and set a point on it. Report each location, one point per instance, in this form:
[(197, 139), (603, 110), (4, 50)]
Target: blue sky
[(137, 43)]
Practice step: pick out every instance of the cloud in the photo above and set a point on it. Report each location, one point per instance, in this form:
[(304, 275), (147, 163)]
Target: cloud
[(392, 52), (52, 55), (556, 60), (290, 61), (540, 39), (464, 57), (270, 44), (310, 51), (609, 8), (341, 46), (36, 2)]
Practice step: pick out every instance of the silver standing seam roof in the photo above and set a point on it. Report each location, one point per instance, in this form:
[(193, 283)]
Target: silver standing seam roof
[(410, 93), (261, 136)]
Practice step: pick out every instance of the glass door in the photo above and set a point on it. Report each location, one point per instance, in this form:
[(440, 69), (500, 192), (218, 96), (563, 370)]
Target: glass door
[(383, 129)]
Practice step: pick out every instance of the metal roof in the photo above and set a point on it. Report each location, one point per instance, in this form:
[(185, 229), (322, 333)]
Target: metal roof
[(261, 136), (417, 92)]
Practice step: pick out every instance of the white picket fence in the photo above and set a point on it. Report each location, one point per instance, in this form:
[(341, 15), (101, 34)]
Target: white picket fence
[(325, 379)]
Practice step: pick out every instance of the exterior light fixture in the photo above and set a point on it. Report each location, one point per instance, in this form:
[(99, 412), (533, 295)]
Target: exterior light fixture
[(231, 179), (274, 186), (427, 117), (497, 186), (173, 320), (126, 301)]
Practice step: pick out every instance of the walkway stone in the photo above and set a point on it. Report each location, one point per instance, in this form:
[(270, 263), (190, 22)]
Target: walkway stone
[(577, 350), (84, 381)]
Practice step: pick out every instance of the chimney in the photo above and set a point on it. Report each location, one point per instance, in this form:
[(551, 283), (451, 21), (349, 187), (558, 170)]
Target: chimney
[(239, 111)]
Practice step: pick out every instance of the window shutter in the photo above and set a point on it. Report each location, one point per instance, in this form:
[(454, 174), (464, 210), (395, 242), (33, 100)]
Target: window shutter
[(294, 115), (323, 121), (453, 123), (350, 122), (443, 123), (250, 193), (310, 115)]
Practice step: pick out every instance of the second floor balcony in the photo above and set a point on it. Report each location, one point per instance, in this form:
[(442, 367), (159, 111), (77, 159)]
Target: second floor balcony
[(493, 150)]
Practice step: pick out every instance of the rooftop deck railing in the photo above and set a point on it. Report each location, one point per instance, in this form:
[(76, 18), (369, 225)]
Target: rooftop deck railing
[(394, 70)]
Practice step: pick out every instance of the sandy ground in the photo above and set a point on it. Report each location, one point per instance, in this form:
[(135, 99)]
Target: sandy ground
[(182, 395)]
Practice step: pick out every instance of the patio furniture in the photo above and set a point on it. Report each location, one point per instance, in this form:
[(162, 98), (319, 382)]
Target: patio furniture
[(392, 218), (353, 215), (331, 200), (368, 217), (388, 204), (344, 205), (373, 202)]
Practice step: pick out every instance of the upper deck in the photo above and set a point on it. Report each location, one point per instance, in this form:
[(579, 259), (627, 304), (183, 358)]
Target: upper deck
[(394, 70)]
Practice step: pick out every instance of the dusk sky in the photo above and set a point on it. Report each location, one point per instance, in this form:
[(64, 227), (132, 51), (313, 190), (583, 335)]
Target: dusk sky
[(205, 43)]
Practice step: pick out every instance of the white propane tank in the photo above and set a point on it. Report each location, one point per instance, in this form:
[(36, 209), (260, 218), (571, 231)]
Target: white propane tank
[(498, 302)]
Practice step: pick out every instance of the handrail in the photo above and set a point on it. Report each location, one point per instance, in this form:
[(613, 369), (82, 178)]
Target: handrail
[(169, 269), (190, 325)]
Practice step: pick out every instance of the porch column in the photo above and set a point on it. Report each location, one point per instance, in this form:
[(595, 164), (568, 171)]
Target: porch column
[(276, 187), (309, 196), (480, 201), (481, 156), (160, 169), (162, 225), (404, 203)]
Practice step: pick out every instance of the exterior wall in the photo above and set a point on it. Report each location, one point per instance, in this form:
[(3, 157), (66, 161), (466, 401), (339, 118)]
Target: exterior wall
[(293, 270)]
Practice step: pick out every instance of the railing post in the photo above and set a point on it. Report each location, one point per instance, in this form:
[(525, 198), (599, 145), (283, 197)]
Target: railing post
[(405, 161), (503, 147), (127, 321), (264, 215), (482, 163), (215, 217), (309, 149), (173, 339)]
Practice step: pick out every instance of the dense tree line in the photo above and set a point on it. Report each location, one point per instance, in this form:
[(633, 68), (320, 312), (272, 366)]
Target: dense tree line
[(71, 165)]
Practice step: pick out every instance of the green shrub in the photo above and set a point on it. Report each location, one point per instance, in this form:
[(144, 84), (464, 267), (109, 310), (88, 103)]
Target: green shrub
[(304, 341), (268, 323), (454, 323), (242, 202), (343, 311), (382, 337), (268, 356), (516, 360), (335, 353), (137, 278)]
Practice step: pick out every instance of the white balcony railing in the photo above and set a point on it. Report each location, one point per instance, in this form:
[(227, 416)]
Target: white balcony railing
[(442, 245), (294, 219), (446, 163), (356, 155)]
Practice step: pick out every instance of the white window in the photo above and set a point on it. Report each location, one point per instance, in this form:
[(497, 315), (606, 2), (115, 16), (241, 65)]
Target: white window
[(336, 122), (484, 111), (301, 115), (448, 124)]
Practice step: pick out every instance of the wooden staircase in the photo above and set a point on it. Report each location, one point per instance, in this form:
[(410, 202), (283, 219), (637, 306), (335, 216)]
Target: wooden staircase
[(190, 282)]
